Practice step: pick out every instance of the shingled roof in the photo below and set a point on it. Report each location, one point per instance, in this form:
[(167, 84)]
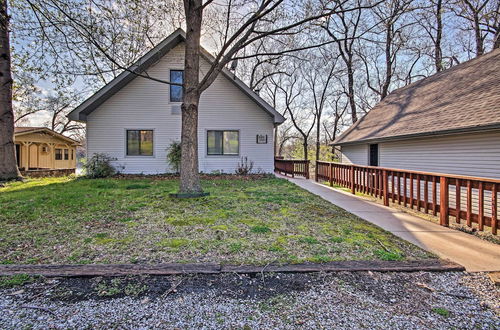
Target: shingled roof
[(26, 130), (463, 98)]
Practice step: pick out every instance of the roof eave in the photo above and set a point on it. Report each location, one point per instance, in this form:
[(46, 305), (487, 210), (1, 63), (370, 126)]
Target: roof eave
[(80, 113), (470, 129), (51, 132)]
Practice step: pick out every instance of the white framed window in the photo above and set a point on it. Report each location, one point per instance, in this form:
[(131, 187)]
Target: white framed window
[(176, 92), (223, 142), (139, 142)]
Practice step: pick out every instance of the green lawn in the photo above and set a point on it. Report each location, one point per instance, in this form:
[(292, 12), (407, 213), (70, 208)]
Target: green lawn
[(258, 221)]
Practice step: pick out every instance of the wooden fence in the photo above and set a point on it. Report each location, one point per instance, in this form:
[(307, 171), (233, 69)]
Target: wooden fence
[(292, 166), (472, 199)]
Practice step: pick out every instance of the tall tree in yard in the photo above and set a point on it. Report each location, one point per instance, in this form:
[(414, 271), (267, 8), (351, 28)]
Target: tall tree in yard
[(190, 182), (8, 165), (240, 24)]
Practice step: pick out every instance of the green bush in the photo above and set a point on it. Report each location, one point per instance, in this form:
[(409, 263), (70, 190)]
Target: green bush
[(174, 155), (99, 166)]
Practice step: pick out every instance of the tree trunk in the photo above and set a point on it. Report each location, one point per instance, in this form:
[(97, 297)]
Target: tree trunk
[(478, 35), (388, 62), (305, 146), (190, 180), (350, 82), (438, 53), (8, 164), (496, 40), (318, 142)]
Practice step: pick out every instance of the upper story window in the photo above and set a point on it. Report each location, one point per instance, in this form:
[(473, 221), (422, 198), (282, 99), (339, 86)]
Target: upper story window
[(223, 143), (139, 142), (176, 94)]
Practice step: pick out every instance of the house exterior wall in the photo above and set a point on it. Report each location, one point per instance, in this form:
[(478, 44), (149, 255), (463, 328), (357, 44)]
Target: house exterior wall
[(355, 154), (470, 154), (145, 104), (33, 155)]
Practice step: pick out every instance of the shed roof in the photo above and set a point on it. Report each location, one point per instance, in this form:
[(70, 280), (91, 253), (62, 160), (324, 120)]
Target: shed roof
[(463, 98), (154, 55), (18, 131)]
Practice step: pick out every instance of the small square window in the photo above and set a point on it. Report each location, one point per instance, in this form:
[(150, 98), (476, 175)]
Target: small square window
[(139, 142)]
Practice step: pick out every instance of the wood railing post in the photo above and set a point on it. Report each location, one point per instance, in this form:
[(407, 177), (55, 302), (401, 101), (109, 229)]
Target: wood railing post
[(330, 174), (443, 201), (316, 171), (494, 220), (353, 181), (386, 188)]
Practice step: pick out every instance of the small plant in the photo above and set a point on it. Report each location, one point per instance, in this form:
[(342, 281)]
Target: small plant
[(337, 239), (99, 166), (441, 311), (15, 280), (387, 255), (245, 166), (174, 243), (174, 155), (260, 229), (308, 240), (112, 288), (135, 289)]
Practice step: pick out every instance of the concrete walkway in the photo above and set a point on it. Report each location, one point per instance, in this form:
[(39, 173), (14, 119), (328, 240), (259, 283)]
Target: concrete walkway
[(469, 251)]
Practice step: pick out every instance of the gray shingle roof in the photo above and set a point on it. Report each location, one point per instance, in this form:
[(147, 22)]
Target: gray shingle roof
[(465, 97)]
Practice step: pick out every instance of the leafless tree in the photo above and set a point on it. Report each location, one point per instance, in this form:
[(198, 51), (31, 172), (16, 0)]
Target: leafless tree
[(302, 116), (482, 17), (344, 28), (8, 164), (319, 73)]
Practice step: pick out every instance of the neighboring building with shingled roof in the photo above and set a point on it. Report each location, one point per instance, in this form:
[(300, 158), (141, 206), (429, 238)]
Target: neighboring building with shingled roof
[(448, 123)]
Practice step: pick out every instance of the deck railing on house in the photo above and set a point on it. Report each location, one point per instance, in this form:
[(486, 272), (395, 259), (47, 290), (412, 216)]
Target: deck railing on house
[(292, 167), (471, 199)]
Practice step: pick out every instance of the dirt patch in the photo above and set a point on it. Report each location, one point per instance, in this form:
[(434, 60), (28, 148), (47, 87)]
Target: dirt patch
[(234, 286)]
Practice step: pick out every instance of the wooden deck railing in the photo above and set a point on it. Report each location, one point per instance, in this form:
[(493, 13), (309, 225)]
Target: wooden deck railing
[(472, 199), (292, 166)]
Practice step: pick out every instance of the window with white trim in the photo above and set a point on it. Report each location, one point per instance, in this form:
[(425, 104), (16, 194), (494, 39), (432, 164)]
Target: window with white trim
[(223, 142)]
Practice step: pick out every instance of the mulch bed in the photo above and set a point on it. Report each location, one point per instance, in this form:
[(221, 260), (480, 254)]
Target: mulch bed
[(167, 176), (215, 268)]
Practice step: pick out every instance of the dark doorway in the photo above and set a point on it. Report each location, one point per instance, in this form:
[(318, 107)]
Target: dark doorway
[(373, 154), (18, 155)]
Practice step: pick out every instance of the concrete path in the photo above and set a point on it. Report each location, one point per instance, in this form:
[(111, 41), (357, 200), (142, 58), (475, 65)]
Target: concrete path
[(469, 251)]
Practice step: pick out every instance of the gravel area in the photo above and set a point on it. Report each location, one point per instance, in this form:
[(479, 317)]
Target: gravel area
[(347, 300)]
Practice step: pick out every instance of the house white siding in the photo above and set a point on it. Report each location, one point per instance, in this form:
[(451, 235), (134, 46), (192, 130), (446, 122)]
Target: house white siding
[(355, 154), (144, 104), (471, 154)]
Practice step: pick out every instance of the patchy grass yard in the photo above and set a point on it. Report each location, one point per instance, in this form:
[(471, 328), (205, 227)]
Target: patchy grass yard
[(133, 220)]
